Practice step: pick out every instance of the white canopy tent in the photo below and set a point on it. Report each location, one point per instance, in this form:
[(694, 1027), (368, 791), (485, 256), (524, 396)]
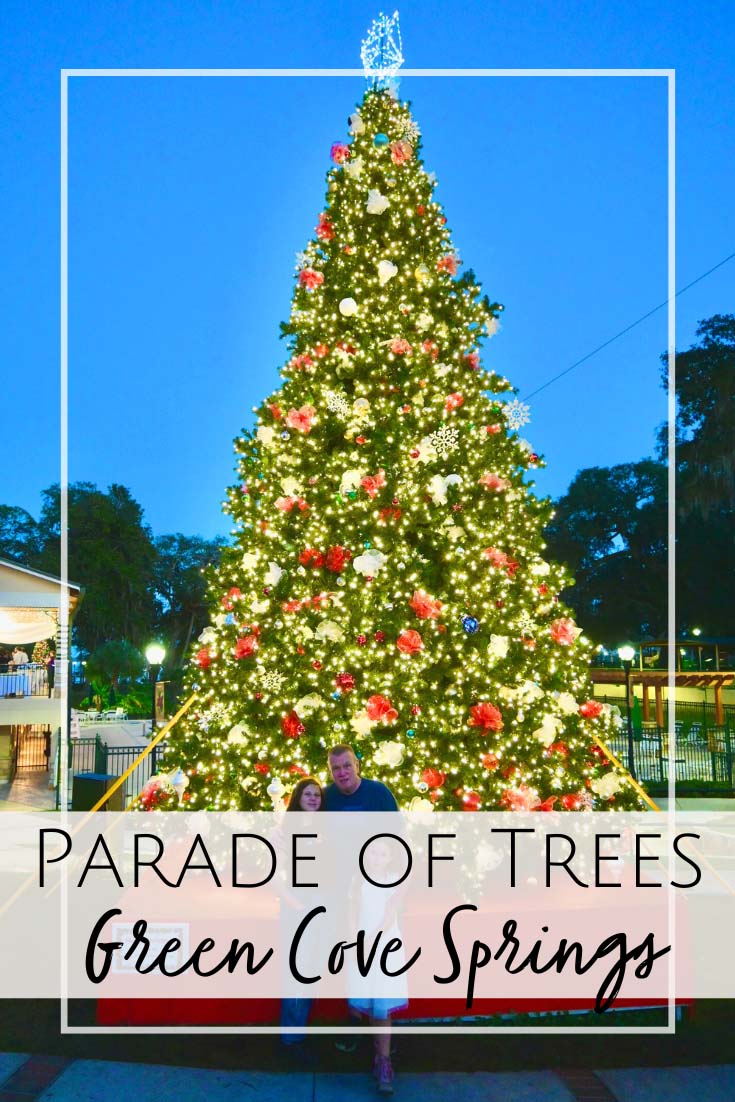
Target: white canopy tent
[(27, 625)]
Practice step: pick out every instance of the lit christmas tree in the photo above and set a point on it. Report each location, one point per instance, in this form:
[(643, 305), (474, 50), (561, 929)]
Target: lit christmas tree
[(388, 586)]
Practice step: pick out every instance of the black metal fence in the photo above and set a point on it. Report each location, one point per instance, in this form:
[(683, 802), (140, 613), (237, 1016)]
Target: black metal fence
[(699, 715), (32, 746), (698, 756), (92, 755)]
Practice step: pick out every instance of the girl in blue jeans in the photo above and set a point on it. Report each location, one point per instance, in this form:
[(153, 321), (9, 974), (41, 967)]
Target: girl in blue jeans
[(306, 796)]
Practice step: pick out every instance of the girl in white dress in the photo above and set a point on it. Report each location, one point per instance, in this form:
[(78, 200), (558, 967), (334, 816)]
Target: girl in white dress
[(377, 996)]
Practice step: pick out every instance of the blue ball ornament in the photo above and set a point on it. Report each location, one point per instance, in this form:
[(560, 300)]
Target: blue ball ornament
[(380, 140), (470, 624), (410, 732), (336, 695)]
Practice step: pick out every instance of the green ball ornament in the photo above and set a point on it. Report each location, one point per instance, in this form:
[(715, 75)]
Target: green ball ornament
[(352, 495), (380, 140)]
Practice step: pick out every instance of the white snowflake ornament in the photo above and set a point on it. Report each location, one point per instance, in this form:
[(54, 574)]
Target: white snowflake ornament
[(526, 625), (271, 681), (517, 414), (444, 440), (337, 403)]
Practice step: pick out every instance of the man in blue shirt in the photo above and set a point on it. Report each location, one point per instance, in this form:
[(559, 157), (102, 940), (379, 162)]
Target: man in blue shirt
[(350, 791)]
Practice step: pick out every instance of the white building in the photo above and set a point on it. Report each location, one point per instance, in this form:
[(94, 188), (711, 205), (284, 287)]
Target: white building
[(31, 701)]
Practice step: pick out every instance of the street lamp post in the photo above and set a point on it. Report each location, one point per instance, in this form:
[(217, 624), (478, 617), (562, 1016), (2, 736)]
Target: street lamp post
[(626, 655), (154, 656)]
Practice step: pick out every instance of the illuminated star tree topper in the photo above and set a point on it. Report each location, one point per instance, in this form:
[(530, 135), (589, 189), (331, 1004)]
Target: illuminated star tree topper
[(381, 52)]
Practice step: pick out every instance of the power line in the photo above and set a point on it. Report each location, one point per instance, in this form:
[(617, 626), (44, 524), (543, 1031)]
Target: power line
[(622, 332)]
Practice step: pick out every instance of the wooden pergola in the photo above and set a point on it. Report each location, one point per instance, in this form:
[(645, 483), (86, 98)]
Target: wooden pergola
[(659, 680)]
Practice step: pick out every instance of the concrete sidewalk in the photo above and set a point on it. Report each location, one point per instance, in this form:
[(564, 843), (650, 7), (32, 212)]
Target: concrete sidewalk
[(23, 1078)]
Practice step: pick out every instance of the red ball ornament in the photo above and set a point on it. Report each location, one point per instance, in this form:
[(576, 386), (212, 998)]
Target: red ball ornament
[(543, 589), (266, 590), (379, 636), (571, 801), (258, 696), (361, 440), (433, 777), (415, 710), (345, 681), (500, 604), (421, 210), (361, 640), (262, 767), (395, 501), (533, 458), (316, 664)]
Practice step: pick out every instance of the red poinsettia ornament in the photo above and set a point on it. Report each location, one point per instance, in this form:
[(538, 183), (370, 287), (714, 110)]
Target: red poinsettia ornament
[(409, 641), (291, 725), (486, 716), (380, 710)]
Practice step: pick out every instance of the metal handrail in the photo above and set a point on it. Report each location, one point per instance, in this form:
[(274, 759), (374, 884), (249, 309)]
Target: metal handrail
[(142, 756)]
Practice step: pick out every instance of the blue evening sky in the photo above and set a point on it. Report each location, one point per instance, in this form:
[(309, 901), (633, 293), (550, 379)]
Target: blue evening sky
[(190, 197)]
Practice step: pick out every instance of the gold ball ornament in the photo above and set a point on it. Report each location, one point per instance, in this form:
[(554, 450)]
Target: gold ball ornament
[(422, 273)]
